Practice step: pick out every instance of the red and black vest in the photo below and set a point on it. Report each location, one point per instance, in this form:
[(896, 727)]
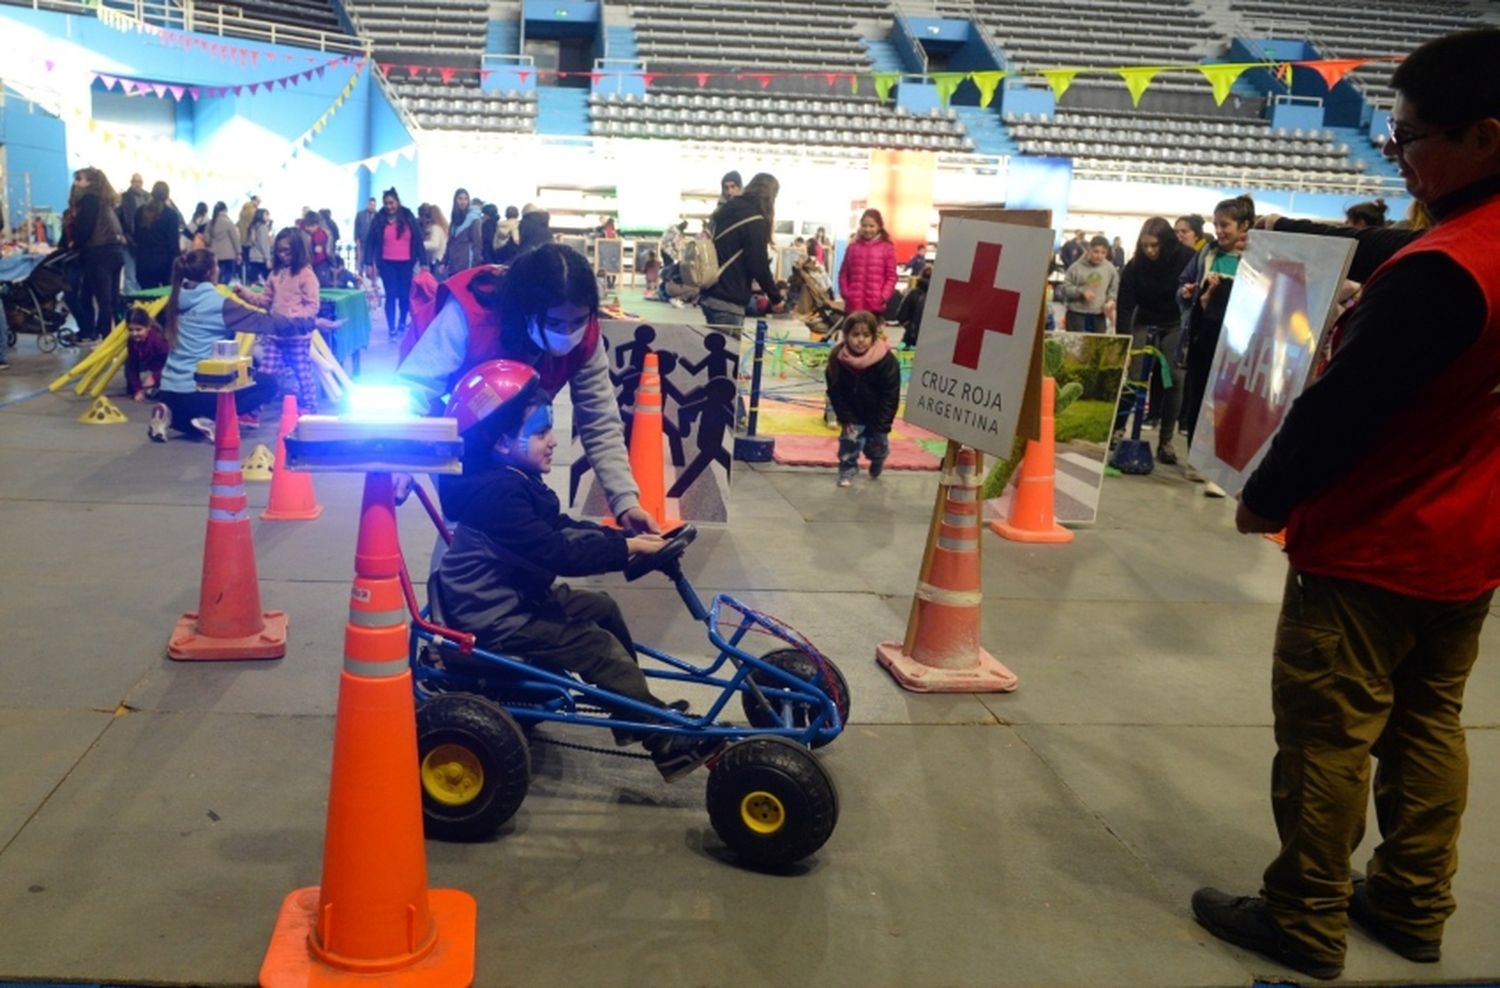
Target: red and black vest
[(467, 288), (1420, 515)]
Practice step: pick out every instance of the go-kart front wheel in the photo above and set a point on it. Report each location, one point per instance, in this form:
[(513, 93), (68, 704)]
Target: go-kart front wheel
[(771, 801), (475, 766), (769, 711)]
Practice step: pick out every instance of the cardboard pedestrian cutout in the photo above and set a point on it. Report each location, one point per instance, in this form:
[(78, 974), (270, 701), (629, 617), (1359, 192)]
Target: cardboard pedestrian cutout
[(1283, 297), (979, 332), (698, 369)]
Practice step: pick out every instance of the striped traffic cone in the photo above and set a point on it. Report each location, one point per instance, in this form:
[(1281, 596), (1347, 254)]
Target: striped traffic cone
[(292, 497), (228, 623), (373, 919), (1032, 516), (646, 463), (942, 653)]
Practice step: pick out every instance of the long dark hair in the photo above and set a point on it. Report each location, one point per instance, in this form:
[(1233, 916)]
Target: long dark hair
[(196, 266), (299, 249), (99, 186), (1166, 239), (762, 190), (874, 214), (151, 212), (551, 275), (458, 217)]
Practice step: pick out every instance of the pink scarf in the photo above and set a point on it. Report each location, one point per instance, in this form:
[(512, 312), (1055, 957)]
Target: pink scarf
[(868, 359)]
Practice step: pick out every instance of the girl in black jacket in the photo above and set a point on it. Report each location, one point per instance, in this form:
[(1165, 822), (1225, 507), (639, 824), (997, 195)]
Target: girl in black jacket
[(1148, 311), (864, 386)]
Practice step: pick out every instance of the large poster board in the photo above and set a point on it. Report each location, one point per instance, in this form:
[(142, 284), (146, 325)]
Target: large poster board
[(610, 257), (698, 371), (1282, 298), (970, 373)]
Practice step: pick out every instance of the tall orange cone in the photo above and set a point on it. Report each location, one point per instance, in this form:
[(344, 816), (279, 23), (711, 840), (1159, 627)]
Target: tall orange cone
[(1031, 512), (292, 497), (228, 623), (942, 653), (373, 920), (645, 442)]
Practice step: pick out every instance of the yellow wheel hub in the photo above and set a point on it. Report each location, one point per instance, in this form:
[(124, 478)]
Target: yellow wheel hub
[(762, 812), (452, 775)]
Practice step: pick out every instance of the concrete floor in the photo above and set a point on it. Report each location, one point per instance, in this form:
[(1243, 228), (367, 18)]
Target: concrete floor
[(153, 815)]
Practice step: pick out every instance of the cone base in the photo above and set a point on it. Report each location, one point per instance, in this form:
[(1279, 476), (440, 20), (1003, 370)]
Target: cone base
[(450, 964), (1056, 535), (306, 514), (987, 675), (187, 645)]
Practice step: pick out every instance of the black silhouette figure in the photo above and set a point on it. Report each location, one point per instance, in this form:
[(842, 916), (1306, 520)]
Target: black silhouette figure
[(713, 406), (719, 361), (668, 363), (629, 376)]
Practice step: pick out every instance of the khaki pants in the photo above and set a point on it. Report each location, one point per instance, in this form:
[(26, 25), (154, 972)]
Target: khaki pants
[(1360, 671)]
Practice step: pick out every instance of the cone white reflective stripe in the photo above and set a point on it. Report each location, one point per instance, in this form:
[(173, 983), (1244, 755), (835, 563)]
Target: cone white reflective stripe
[(375, 670), (949, 598), (377, 619), (219, 514)]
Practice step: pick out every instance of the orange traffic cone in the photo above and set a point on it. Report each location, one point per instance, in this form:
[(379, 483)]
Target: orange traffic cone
[(941, 653), (1031, 512), (292, 497), (645, 442), (228, 623), (373, 919)]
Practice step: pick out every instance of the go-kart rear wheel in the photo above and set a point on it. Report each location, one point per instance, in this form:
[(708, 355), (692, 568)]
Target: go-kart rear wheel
[(769, 712), (475, 766), (771, 801)]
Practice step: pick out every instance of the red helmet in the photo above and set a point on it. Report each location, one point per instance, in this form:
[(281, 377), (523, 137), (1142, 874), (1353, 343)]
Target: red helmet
[(486, 389)]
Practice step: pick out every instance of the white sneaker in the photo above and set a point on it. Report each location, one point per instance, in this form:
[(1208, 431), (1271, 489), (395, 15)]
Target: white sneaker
[(161, 420), (1211, 489), (205, 426), (846, 482)]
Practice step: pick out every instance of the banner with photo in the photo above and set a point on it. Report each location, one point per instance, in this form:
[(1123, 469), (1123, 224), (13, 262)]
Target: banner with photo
[(698, 375)]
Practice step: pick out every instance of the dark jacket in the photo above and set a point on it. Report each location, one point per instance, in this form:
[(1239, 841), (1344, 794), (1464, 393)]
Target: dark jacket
[(131, 201), (910, 313), (511, 541), (94, 225), (157, 246), (866, 397), (1149, 289), (375, 240), (753, 264)]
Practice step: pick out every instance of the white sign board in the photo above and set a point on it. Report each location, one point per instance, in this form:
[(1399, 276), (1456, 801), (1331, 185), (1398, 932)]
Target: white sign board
[(969, 374), (1282, 297)]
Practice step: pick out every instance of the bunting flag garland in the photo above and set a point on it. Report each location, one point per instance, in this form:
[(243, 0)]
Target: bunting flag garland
[(118, 20), (947, 83), (883, 83), (1222, 77), (376, 160), (1059, 80), (987, 83), (141, 87), (1137, 79), (1283, 73), (1333, 69)]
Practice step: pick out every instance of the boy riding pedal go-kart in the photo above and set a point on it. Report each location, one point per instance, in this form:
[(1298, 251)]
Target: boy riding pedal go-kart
[(509, 644)]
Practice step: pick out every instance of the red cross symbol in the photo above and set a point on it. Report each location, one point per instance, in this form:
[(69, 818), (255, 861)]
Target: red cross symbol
[(978, 306)]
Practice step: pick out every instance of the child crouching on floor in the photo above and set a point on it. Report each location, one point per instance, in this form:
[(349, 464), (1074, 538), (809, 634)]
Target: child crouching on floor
[(146, 354), (864, 387), (511, 542)]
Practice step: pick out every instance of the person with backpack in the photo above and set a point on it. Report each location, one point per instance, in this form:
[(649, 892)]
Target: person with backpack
[(544, 312), (722, 268)]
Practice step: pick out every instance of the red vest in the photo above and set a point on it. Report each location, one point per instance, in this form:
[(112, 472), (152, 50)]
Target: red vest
[(484, 326), (1420, 515)]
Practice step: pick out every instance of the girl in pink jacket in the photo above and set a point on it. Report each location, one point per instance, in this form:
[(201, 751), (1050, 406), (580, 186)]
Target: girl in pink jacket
[(868, 275), (291, 291)]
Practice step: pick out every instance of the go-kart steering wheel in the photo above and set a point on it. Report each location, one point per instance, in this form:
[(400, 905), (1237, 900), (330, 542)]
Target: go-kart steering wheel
[(668, 554)]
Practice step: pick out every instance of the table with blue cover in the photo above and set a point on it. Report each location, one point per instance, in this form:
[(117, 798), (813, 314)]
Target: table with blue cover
[(347, 304), (17, 267)]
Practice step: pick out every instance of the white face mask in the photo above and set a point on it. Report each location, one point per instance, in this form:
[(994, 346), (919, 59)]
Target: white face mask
[(557, 344)]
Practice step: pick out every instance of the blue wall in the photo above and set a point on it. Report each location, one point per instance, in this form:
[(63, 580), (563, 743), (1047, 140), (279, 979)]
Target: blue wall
[(34, 145), (365, 125)]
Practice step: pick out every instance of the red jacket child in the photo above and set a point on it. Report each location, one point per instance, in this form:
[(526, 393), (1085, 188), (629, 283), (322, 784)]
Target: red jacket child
[(146, 355)]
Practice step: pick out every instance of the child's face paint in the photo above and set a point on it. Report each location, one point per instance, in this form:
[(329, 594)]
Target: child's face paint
[(531, 449), (560, 329)]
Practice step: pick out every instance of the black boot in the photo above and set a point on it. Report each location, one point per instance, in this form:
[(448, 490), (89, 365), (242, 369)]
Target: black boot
[(1408, 946), (1246, 922)]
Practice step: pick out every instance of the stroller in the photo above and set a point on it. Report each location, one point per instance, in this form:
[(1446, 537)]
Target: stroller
[(33, 304), (815, 305)]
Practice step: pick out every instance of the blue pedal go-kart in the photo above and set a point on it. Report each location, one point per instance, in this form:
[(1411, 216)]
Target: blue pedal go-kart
[(769, 799)]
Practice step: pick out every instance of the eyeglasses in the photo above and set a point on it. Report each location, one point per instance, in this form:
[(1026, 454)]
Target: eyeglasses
[(1401, 137)]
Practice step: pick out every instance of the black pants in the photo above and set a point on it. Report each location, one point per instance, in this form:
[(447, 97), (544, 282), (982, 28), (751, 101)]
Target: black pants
[(255, 271), (396, 276), (582, 632), (101, 290), (1200, 360), (186, 406), (227, 270)]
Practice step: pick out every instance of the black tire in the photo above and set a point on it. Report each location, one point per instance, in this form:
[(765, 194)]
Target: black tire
[(771, 801), (474, 766), (767, 712)]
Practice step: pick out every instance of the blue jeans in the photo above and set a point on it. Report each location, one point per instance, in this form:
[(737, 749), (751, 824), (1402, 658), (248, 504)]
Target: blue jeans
[(875, 445)]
